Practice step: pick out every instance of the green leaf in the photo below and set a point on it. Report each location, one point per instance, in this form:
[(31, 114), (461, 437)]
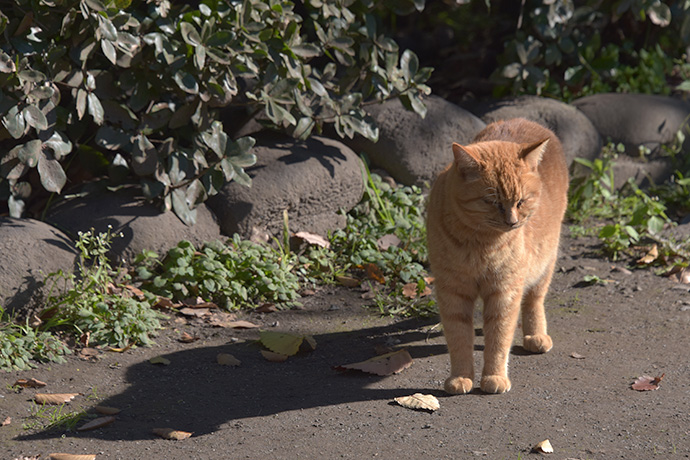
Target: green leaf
[(109, 51), (53, 177), (81, 103), (34, 117), (60, 146), (14, 122), (186, 82), (306, 50), (30, 153), (190, 34), (181, 209), (106, 27), (409, 63), (32, 76), (95, 108), (6, 63), (304, 128)]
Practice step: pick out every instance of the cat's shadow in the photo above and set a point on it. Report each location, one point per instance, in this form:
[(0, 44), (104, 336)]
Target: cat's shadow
[(194, 393)]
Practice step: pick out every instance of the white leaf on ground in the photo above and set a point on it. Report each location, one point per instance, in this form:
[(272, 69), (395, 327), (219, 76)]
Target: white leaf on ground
[(419, 401)]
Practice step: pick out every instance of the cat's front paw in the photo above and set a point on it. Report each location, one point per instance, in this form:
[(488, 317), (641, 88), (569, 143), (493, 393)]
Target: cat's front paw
[(458, 385), (495, 384), (538, 343)]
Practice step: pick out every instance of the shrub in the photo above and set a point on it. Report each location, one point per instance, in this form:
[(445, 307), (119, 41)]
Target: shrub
[(132, 90)]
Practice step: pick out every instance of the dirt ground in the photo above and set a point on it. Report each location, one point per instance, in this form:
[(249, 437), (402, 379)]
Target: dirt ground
[(635, 324)]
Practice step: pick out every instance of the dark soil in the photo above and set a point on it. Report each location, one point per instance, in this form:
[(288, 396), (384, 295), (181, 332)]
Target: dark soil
[(635, 324)]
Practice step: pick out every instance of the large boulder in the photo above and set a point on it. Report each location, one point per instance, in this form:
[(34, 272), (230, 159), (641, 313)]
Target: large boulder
[(143, 225), (313, 180), (578, 135), (637, 120), (30, 250), (413, 150)]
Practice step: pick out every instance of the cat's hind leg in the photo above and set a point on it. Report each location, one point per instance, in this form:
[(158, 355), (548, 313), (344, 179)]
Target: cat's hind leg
[(457, 318), (535, 338)]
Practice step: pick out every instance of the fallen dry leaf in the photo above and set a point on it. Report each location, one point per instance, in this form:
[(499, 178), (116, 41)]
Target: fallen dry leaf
[(419, 401), (226, 359), (266, 308), (164, 303), (650, 257), (274, 357), (6, 422), (159, 360), (241, 324), (387, 241), (198, 302), (54, 398), (576, 355), (120, 350), (390, 363), (30, 383), (647, 383), (220, 319), (71, 457), (185, 337), (195, 312), (375, 273), (169, 433), (410, 291), (35, 457), (312, 238), (89, 354), (311, 341), (347, 281), (679, 274), (135, 291), (544, 447), (97, 423), (281, 342), (105, 410), (84, 338)]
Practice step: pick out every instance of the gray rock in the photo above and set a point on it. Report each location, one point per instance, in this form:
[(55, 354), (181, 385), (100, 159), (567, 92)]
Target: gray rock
[(635, 120), (577, 134), (143, 225), (30, 250), (414, 150), (312, 180)]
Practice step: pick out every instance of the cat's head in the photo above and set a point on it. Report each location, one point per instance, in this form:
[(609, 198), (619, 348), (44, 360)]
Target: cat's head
[(500, 182)]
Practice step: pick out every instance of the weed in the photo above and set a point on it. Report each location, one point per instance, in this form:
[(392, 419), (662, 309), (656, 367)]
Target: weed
[(22, 344), (241, 273), (95, 303), (44, 417)]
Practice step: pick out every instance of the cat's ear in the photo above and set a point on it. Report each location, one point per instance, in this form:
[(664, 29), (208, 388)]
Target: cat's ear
[(465, 161), (533, 153)]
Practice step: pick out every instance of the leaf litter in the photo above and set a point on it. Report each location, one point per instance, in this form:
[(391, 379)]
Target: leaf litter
[(29, 383), (544, 447), (647, 383), (284, 343), (169, 433), (387, 364), (54, 398), (419, 401), (59, 456), (97, 423), (226, 359)]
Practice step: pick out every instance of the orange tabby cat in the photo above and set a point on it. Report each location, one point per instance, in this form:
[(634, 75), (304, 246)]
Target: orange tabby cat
[(493, 224)]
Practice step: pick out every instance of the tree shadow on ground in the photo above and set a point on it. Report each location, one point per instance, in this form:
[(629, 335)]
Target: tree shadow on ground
[(196, 394)]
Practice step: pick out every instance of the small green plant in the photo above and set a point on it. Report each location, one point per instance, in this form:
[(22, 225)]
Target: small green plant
[(239, 274), (95, 303), (21, 345), (46, 417)]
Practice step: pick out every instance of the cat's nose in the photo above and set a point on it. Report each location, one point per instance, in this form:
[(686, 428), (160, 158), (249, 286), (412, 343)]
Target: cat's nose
[(512, 217)]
